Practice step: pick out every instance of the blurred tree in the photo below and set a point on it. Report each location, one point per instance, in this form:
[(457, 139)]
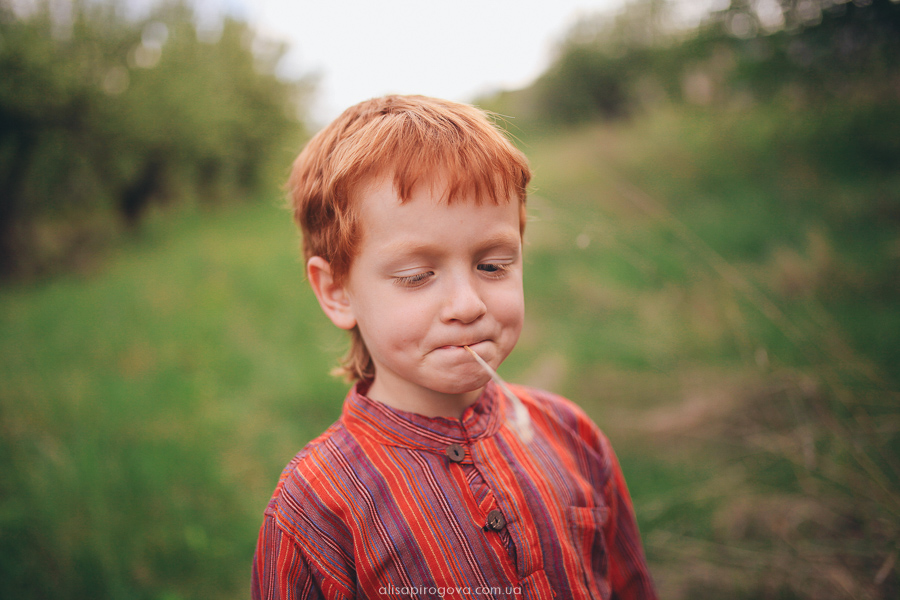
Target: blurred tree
[(823, 49), (599, 62), (103, 115), (818, 51)]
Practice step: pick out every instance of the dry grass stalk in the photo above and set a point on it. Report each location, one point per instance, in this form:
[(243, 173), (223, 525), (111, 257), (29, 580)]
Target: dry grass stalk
[(521, 422)]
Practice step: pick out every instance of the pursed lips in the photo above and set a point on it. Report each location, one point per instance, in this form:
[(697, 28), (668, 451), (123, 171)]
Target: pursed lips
[(459, 346)]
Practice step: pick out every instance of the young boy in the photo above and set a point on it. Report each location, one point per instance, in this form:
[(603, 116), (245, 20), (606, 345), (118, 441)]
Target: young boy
[(412, 211)]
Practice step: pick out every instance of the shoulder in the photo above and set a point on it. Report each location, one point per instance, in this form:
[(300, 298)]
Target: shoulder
[(561, 407), (310, 478), (304, 536), (560, 412)]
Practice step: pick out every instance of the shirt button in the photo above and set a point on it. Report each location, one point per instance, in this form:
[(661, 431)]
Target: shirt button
[(495, 520), (456, 453)]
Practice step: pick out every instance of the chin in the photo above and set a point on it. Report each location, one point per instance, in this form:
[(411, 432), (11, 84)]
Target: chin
[(462, 385)]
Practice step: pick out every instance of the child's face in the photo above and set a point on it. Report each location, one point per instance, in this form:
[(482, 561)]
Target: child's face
[(429, 278)]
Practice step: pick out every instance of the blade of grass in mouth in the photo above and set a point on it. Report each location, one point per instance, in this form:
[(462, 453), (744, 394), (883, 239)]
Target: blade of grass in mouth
[(521, 422)]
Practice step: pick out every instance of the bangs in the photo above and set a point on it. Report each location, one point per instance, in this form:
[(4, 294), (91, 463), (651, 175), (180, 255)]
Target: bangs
[(451, 143)]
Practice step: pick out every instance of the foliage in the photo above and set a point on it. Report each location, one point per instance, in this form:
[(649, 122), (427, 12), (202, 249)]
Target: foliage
[(102, 116), (754, 51)]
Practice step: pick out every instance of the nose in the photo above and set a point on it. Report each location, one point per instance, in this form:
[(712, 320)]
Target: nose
[(463, 303)]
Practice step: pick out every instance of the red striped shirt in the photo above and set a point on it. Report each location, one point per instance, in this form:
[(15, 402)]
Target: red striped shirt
[(381, 506)]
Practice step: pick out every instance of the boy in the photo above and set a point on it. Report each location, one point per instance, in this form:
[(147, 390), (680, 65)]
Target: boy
[(412, 211)]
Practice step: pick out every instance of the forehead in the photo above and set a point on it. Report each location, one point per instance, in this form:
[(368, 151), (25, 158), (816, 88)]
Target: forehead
[(430, 215)]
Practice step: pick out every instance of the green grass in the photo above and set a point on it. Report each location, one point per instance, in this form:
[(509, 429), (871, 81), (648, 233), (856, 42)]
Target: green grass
[(703, 309), (148, 408)]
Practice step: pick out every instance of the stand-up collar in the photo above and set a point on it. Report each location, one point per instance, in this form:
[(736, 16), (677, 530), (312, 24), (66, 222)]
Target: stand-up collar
[(364, 416)]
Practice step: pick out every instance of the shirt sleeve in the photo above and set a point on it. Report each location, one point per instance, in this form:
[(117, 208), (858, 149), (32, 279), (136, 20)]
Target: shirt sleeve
[(280, 569), (629, 577)]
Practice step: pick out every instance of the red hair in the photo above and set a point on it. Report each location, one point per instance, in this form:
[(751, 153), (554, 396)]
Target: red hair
[(418, 140)]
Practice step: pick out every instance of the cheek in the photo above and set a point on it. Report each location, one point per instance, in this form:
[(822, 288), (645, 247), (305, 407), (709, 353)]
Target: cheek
[(509, 309), (397, 324)]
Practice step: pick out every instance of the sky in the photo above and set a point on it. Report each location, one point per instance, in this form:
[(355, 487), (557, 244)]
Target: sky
[(455, 50)]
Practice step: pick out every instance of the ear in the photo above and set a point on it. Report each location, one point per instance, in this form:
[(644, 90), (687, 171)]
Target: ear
[(332, 297)]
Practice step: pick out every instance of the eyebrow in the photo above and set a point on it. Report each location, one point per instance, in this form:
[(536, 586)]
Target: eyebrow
[(412, 247)]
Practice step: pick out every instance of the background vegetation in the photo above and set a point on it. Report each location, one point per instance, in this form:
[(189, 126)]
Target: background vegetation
[(105, 117), (712, 270)]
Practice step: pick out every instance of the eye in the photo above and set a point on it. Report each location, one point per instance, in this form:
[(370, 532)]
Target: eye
[(413, 281), (493, 270)]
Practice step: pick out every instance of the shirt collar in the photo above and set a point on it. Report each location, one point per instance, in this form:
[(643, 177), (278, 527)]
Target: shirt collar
[(394, 427)]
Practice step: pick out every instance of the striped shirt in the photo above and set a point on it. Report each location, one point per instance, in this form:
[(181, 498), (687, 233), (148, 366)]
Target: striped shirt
[(391, 504)]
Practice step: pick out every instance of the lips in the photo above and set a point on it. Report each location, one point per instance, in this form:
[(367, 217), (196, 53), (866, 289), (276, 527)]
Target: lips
[(460, 346)]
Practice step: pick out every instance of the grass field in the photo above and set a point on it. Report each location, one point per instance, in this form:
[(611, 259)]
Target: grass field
[(728, 317)]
